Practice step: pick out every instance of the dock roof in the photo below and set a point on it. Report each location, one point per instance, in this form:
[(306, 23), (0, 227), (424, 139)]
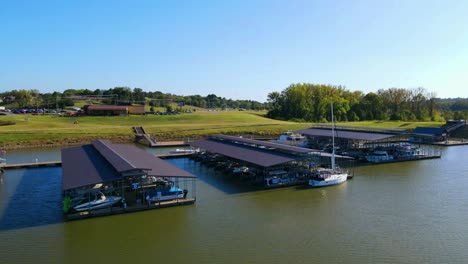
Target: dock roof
[(103, 161), (84, 165), (258, 157), (430, 131), (115, 157), (269, 144), (360, 135), (155, 166)]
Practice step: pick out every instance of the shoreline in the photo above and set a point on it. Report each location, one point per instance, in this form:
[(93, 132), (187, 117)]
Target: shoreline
[(73, 142), (84, 140)]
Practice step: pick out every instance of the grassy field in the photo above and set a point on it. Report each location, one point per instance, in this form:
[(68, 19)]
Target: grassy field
[(39, 130), (44, 129)]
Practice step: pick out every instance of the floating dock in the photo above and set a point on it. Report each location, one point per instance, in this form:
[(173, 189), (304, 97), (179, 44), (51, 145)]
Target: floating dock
[(58, 163), (33, 165), (421, 157), (129, 209)]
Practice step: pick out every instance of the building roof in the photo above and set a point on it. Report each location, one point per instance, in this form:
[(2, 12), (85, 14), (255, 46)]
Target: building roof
[(258, 157), (103, 161), (115, 157), (430, 131), (274, 145), (108, 107), (155, 166), (82, 166), (360, 135)]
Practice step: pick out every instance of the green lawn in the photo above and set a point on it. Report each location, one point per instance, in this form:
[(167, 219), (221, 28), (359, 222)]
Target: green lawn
[(50, 129)]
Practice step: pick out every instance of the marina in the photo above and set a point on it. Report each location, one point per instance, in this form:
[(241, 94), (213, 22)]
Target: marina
[(410, 203), (115, 178)]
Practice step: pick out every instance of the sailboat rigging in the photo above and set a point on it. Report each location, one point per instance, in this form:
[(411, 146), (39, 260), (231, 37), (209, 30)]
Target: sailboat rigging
[(329, 176)]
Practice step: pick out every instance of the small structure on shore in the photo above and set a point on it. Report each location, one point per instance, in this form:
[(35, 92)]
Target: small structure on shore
[(113, 110), (103, 178)]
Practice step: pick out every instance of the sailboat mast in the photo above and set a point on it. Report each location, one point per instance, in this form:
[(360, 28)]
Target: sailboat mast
[(333, 138)]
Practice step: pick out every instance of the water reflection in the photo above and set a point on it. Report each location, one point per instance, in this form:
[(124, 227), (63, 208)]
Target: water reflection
[(33, 198)]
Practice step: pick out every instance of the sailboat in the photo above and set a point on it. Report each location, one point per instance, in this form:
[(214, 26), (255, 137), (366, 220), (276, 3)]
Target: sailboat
[(329, 176)]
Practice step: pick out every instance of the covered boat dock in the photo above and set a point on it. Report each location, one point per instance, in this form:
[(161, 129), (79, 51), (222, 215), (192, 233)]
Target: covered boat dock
[(268, 163), (124, 172), (374, 145), (349, 137)]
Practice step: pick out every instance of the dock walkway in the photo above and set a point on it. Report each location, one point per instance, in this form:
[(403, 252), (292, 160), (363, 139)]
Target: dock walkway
[(33, 164), (59, 163), (140, 133), (129, 209)]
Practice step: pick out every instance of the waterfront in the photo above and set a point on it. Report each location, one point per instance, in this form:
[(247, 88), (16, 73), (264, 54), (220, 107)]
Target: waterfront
[(411, 212)]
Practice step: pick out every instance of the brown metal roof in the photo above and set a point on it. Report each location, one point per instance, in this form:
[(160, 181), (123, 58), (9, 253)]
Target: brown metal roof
[(155, 166), (274, 145), (258, 157), (82, 166), (108, 107), (360, 135), (103, 161), (116, 158)]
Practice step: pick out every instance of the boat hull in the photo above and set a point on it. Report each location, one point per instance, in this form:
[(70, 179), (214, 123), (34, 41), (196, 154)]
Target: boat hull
[(156, 199), (159, 196), (340, 178), (110, 201)]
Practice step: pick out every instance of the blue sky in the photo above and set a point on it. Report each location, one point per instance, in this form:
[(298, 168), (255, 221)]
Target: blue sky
[(234, 49)]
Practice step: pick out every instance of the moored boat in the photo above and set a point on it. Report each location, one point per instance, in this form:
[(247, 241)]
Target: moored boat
[(166, 194), (291, 138), (325, 177), (183, 151), (242, 169), (328, 176), (99, 201), (379, 156), (274, 181)]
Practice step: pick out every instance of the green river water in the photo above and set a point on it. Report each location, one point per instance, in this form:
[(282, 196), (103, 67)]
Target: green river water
[(410, 212)]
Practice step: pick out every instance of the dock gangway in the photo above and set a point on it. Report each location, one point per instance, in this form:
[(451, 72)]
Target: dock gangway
[(140, 133)]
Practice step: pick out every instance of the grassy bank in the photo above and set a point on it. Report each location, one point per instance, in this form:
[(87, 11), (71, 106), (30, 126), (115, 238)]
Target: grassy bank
[(39, 130)]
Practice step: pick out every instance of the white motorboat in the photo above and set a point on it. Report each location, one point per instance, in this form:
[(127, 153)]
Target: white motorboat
[(406, 150), (184, 151), (379, 156), (329, 176), (99, 201), (291, 138), (239, 170), (166, 194)]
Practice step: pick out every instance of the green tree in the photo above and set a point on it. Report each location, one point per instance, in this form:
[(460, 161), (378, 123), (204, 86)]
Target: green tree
[(22, 97)]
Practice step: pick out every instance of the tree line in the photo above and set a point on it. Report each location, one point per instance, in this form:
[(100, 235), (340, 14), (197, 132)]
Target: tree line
[(122, 95), (298, 102), (311, 102)]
